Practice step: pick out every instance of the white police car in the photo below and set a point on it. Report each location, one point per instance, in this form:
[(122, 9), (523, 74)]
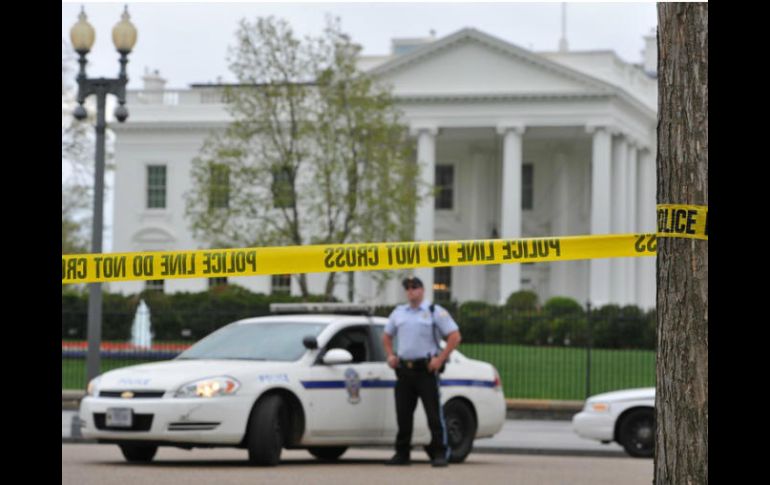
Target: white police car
[(627, 417), (318, 382)]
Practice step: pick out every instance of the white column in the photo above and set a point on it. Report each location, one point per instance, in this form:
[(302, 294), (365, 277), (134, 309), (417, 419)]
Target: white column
[(477, 210), (426, 210), (510, 214), (363, 287), (477, 185), (619, 194), (647, 196), (631, 222), (562, 196), (601, 156)]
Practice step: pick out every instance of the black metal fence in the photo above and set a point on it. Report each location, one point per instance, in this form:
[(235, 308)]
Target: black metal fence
[(562, 352)]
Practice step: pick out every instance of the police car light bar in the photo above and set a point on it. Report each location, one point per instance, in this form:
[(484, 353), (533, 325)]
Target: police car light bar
[(341, 308)]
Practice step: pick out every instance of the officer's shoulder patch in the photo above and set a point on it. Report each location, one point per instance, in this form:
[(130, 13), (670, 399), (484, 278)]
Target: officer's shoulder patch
[(443, 313)]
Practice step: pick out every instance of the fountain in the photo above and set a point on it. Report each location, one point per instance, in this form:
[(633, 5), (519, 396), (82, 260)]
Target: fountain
[(141, 336)]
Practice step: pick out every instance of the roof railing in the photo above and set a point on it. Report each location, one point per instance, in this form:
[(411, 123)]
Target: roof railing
[(335, 308)]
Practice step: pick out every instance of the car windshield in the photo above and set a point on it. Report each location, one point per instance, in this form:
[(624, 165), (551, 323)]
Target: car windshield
[(263, 341)]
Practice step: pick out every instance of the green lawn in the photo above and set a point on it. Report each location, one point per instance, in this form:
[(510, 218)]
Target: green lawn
[(560, 373), (73, 371), (527, 372)]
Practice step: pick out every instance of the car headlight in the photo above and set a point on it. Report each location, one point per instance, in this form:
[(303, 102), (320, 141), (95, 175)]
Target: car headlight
[(598, 407), (209, 387), (93, 386)]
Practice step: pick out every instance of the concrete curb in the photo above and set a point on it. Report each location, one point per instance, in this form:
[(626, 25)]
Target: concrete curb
[(544, 405), (77, 441), (70, 399), (542, 409)]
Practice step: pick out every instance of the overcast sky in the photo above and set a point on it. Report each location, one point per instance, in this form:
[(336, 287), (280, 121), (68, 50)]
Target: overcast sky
[(187, 42)]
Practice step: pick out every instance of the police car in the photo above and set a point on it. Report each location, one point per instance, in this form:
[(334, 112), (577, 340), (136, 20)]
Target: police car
[(315, 381), (627, 417)]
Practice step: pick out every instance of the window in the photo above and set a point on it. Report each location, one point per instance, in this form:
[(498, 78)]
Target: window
[(445, 182), (280, 284), (356, 341), (283, 196), (156, 186), (527, 186), (442, 284), (154, 285), (219, 281), (378, 348), (262, 341), (219, 186)]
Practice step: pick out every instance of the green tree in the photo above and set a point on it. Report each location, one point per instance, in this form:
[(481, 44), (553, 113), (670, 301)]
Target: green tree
[(316, 152), (75, 149), (681, 398), (74, 200)]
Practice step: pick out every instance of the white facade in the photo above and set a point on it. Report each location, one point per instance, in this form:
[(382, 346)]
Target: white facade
[(583, 122)]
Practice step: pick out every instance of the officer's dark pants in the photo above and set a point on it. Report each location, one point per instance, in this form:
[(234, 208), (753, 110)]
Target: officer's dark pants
[(410, 385)]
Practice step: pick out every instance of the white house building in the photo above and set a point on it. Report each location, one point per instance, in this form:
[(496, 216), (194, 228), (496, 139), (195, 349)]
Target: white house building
[(522, 144)]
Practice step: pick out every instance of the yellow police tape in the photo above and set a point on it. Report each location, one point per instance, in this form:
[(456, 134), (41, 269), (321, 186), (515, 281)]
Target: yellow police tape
[(673, 221), (676, 220)]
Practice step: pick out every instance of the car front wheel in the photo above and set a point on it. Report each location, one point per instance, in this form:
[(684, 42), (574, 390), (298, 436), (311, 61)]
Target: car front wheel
[(139, 453), (636, 433), (267, 426)]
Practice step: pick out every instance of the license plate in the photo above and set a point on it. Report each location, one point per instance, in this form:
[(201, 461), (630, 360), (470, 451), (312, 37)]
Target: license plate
[(120, 417)]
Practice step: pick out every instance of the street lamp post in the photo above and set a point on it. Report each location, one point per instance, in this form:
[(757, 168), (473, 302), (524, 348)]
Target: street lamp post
[(124, 37)]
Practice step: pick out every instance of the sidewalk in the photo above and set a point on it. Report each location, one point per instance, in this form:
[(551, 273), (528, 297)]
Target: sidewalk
[(532, 427), (518, 436)]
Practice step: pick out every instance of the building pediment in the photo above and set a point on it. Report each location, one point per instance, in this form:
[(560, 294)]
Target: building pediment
[(470, 62)]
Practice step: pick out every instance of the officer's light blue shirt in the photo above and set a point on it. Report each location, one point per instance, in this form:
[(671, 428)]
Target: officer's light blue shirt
[(414, 328)]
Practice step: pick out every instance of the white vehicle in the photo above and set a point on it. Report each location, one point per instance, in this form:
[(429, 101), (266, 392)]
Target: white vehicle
[(627, 417), (318, 382)]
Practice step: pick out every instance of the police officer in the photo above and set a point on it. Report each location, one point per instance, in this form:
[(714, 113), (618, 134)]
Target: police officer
[(417, 368)]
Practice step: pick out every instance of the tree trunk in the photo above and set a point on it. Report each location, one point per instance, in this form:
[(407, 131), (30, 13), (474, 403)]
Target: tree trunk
[(681, 401), (303, 285), (351, 287), (329, 289)]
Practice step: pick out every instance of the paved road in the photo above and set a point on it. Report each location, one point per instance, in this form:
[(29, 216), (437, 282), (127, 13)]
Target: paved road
[(517, 436), (85, 464)]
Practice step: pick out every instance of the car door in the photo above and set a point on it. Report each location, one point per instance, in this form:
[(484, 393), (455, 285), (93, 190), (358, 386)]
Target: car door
[(345, 400)]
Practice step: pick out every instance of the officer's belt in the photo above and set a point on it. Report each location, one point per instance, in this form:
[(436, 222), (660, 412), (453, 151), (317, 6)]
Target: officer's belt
[(413, 364)]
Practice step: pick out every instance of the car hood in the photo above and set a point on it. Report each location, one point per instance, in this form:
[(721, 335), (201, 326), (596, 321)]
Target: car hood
[(626, 395), (172, 374)]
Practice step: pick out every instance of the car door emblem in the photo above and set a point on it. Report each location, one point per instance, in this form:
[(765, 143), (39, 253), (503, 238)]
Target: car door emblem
[(353, 386)]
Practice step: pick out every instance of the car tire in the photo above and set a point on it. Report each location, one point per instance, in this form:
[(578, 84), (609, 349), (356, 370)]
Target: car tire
[(327, 453), (267, 426), (636, 433), (461, 429), (138, 453)]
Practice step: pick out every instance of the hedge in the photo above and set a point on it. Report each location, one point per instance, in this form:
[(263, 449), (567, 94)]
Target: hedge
[(174, 316), (560, 322)]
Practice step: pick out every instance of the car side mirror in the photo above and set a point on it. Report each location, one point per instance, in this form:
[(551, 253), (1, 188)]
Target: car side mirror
[(337, 356), (310, 342)]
